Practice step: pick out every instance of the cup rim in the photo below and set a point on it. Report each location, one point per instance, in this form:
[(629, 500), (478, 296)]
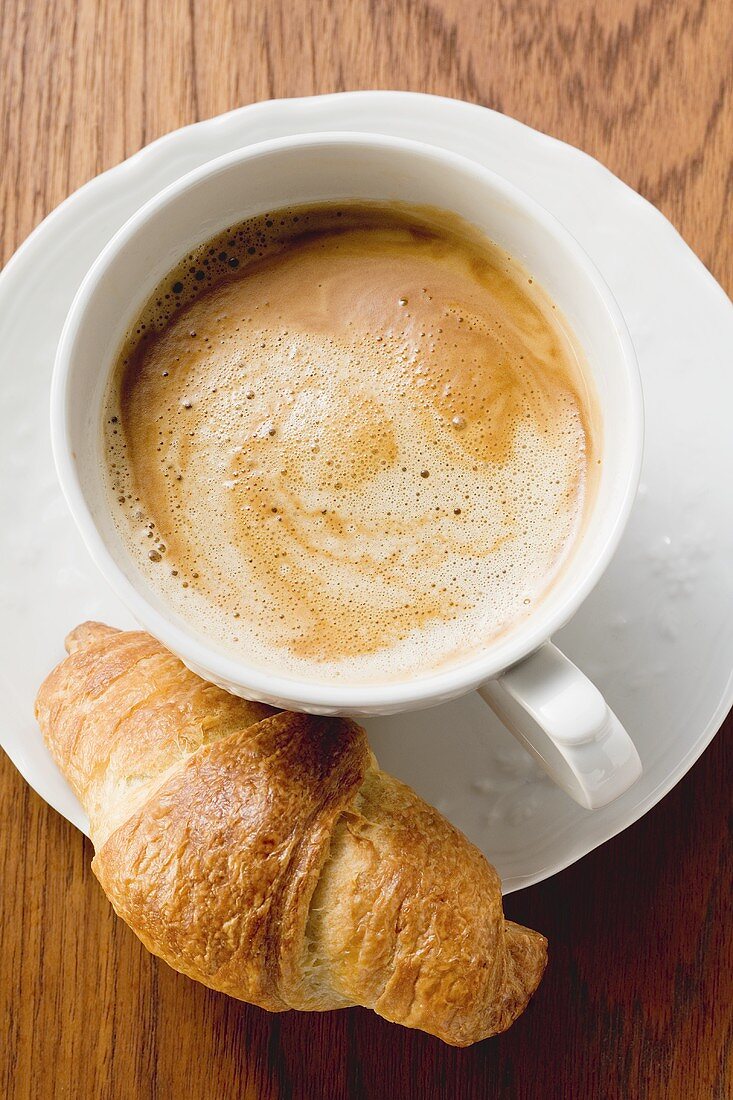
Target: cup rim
[(322, 695)]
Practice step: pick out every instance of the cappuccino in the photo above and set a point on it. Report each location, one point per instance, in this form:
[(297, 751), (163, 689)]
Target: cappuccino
[(350, 442)]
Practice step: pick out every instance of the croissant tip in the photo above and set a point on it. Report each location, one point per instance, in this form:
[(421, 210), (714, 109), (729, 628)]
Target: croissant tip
[(85, 634)]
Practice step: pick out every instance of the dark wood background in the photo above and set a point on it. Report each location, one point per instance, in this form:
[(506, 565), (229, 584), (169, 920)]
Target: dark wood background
[(637, 999)]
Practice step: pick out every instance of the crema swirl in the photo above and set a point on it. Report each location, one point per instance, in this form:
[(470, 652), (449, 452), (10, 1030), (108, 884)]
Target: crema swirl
[(350, 442)]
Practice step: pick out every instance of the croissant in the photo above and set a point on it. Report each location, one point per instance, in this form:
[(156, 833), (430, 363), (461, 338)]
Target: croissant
[(266, 855)]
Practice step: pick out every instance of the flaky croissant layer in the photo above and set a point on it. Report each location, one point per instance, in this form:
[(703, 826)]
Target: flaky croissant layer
[(266, 855)]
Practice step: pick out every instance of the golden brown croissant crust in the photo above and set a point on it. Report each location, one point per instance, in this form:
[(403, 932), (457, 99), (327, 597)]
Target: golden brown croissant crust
[(266, 855)]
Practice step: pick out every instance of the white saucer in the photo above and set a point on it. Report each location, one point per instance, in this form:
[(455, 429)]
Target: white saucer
[(656, 635)]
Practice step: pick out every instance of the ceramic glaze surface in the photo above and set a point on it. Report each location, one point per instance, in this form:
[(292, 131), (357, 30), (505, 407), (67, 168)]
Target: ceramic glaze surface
[(656, 635)]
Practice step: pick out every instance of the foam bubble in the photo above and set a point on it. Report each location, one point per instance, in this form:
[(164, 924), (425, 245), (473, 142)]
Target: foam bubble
[(363, 455)]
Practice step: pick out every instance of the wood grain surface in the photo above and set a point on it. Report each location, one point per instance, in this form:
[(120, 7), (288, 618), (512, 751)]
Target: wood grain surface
[(637, 999)]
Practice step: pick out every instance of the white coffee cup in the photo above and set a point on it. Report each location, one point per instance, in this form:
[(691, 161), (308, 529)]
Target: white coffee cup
[(552, 708)]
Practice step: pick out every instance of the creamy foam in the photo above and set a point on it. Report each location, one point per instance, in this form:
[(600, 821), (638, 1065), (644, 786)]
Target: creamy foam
[(349, 442)]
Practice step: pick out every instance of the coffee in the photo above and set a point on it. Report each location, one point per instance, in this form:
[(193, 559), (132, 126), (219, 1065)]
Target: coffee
[(350, 441)]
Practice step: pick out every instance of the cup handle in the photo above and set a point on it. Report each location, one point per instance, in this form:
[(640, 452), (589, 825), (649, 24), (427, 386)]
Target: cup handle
[(562, 719)]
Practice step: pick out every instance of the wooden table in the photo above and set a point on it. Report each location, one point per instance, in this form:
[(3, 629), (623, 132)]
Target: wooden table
[(637, 999)]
